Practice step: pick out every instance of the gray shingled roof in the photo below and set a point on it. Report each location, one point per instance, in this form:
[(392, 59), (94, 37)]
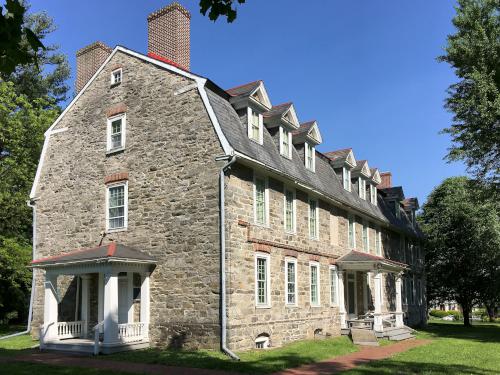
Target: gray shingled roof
[(111, 251), (323, 179), (354, 256), (277, 110), (244, 90)]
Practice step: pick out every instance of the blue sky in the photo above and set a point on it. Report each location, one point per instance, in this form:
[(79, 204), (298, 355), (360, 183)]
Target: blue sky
[(366, 70)]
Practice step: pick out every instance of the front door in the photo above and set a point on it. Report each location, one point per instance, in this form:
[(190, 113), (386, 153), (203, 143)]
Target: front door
[(122, 300), (351, 295)]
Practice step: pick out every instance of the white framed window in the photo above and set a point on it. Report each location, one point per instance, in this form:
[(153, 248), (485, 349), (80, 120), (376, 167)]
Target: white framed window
[(362, 188), (313, 219), (285, 142), (291, 281), (378, 242), (314, 283), (117, 206), (262, 280), (116, 76), (255, 125), (373, 194), (310, 157), (116, 126), (351, 232), (289, 214), (346, 178), (366, 238), (334, 286), (261, 200)]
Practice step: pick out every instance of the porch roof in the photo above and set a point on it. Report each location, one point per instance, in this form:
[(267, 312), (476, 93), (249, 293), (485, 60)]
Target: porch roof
[(357, 260), (105, 253)]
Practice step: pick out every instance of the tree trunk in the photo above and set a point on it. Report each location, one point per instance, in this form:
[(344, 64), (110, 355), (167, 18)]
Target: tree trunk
[(491, 312), (466, 313)]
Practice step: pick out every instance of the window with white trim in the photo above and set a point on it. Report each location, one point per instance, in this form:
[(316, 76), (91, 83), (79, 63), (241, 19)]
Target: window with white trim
[(378, 242), (285, 142), (291, 281), (289, 211), (351, 232), (116, 132), (362, 188), (255, 125), (346, 178), (373, 194), (116, 206), (334, 281), (313, 219), (310, 157), (262, 281), (260, 200), (366, 239), (116, 76), (314, 283)]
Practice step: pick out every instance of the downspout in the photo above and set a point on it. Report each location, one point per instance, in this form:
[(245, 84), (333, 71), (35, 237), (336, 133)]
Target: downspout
[(31, 203), (222, 231)]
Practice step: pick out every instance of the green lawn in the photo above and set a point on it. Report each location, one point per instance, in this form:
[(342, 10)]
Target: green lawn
[(454, 350), (252, 362)]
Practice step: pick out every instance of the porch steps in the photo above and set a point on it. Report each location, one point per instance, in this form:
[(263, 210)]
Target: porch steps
[(398, 333), (71, 346), (363, 336)]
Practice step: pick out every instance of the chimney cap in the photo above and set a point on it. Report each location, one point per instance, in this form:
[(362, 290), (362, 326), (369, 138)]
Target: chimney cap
[(174, 6), (92, 46)]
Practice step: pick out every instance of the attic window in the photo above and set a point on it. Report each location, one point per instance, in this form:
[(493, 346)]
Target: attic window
[(346, 178), (373, 194), (116, 76), (285, 142), (255, 127), (362, 188), (310, 157)]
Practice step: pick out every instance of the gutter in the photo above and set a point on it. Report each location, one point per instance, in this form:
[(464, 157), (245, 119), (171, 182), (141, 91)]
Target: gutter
[(222, 230), (31, 203)]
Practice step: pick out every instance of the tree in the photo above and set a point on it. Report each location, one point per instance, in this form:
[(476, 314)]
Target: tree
[(18, 43), (474, 53), (219, 8), (461, 223)]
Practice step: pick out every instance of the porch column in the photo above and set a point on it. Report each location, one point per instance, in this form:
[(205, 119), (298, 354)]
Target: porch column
[(365, 292), (145, 302), (85, 303), (110, 308), (377, 321), (49, 330), (342, 312), (100, 301), (399, 301), (130, 297)]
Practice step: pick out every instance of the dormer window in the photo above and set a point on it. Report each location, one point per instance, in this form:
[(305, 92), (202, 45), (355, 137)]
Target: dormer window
[(362, 188), (285, 142), (346, 178), (373, 194), (255, 127), (310, 157), (116, 76)]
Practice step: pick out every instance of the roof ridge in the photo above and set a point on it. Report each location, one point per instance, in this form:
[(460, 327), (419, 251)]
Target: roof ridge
[(243, 85)]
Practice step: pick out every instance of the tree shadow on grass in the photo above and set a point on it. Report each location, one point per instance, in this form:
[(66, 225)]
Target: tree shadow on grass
[(481, 333), (389, 366)]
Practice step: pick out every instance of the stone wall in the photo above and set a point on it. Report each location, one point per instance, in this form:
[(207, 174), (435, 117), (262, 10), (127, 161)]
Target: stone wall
[(172, 188)]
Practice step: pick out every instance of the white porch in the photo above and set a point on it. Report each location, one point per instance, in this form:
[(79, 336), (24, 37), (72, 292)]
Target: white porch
[(356, 311), (115, 325)]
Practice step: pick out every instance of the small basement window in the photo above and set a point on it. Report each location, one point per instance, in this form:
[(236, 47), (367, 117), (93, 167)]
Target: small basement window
[(116, 76), (262, 342)]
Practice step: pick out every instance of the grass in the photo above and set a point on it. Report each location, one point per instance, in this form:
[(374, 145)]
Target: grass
[(252, 362), (455, 350), (17, 343)]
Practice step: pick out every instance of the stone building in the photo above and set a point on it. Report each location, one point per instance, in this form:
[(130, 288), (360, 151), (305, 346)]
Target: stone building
[(207, 218)]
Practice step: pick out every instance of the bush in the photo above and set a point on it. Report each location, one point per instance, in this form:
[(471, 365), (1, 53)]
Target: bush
[(442, 314)]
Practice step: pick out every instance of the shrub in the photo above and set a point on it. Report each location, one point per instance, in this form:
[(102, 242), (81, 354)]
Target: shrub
[(442, 314)]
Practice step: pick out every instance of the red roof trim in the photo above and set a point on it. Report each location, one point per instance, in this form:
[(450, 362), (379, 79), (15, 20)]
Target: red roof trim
[(111, 249), (165, 60)]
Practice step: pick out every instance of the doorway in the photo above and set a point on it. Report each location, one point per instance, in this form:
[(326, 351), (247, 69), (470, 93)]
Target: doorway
[(351, 292)]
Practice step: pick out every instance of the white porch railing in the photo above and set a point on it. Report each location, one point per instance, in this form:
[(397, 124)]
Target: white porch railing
[(129, 332), (70, 330)]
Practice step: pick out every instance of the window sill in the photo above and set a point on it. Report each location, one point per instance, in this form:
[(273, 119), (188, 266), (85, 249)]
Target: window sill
[(315, 306), (115, 151), (256, 141), (114, 230), (262, 306), (291, 306), (115, 84), (265, 226), (286, 156), (291, 233)]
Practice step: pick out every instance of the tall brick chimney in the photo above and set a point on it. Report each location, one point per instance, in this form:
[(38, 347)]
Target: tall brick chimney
[(88, 60), (169, 34), (386, 178)]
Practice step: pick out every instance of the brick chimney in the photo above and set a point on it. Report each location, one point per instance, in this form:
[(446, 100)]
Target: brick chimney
[(88, 60), (386, 178), (169, 34)]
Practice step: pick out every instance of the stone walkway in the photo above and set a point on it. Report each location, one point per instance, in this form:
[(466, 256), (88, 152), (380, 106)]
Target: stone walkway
[(332, 366)]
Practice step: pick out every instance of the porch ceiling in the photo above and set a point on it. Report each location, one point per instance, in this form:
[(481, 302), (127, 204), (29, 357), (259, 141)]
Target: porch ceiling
[(112, 252), (357, 260)]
